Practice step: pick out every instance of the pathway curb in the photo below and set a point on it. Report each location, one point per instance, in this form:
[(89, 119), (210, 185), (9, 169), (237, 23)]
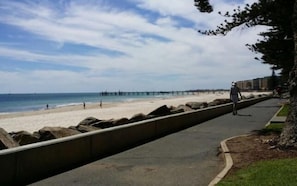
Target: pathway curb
[(228, 161), (227, 155), (277, 119)]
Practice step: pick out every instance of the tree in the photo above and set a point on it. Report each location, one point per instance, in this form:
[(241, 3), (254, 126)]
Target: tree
[(289, 134), (273, 48), (276, 48)]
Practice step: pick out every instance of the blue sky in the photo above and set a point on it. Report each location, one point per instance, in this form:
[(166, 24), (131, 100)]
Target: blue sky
[(127, 45)]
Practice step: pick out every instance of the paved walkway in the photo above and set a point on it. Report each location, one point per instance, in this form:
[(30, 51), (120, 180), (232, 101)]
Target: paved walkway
[(188, 157)]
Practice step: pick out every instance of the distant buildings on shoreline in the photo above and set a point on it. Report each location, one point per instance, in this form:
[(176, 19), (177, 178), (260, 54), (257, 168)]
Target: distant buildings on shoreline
[(265, 83)]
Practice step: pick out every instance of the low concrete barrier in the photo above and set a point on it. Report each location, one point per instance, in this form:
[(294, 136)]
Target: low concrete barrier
[(29, 163)]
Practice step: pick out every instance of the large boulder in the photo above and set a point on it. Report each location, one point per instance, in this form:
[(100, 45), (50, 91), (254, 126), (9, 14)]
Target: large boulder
[(24, 137), (161, 111), (103, 124), (6, 141), (185, 108), (121, 121), (85, 128), (48, 133), (250, 96), (137, 117), (89, 121), (196, 105), (210, 104), (221, 101), (175, 110), (110, 123)]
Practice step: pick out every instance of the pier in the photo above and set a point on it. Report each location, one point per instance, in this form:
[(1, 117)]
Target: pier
[(153, 93)]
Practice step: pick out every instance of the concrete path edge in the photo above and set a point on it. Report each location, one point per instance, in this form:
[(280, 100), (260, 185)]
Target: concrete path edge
[(278, 119), (227, 155), (228, 161)]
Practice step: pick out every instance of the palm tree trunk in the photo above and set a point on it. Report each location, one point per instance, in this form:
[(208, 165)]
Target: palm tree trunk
[(288, 137)]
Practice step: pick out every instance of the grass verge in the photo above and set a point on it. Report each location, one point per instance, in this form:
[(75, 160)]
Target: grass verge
[(273, 127), (274, 172), (284, 111)]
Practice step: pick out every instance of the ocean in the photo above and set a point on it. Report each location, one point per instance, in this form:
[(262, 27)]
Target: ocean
[(32, 102)]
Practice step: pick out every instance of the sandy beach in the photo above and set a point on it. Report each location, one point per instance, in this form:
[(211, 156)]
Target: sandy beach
[(72, 115)]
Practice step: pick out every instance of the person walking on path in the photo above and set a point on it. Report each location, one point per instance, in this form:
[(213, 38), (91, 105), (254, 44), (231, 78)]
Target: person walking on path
[(234, 96)]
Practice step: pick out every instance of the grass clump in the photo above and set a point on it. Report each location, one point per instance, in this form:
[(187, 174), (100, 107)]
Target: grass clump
[(273, 172), (271, 128), (275, 127), (284, 111)]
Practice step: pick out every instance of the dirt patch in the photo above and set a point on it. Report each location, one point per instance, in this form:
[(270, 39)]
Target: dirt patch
[(246, 150)]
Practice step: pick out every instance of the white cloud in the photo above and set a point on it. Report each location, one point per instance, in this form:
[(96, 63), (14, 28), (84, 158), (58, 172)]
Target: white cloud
[(174, 7), (156, 54)]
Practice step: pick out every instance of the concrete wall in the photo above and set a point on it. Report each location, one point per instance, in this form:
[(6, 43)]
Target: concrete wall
[(29, 163)]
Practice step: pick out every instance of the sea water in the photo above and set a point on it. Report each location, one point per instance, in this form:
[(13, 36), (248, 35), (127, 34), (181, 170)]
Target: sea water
[(31, 102)]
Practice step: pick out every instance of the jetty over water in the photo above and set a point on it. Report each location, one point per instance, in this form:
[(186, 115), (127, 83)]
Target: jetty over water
[(152, 93)]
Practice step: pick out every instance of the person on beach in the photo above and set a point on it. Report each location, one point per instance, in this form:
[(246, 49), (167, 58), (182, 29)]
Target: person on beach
[(100, 104), (84, 104), (46, 106), (234, 96)]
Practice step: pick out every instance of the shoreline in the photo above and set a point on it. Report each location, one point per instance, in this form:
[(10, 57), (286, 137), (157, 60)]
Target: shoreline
[(67, 116), (93, 105)]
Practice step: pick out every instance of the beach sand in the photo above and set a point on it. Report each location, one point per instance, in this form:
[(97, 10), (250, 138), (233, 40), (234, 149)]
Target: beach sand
[(72, 115)]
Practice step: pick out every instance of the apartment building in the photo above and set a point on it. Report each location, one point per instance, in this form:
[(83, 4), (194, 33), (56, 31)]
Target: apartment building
[(264, 83)]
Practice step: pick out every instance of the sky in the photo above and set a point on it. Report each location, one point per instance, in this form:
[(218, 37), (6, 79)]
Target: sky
[(121, 45)]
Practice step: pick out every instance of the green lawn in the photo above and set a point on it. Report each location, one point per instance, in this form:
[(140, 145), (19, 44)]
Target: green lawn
[(274, 172), (265, 173), (284, 111), (273, 127)]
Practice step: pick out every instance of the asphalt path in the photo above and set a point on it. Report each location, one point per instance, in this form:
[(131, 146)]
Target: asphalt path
[(187, 157)]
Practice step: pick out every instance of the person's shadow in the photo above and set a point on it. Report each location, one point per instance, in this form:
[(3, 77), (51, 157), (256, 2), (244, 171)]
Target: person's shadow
[(248, 115)]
